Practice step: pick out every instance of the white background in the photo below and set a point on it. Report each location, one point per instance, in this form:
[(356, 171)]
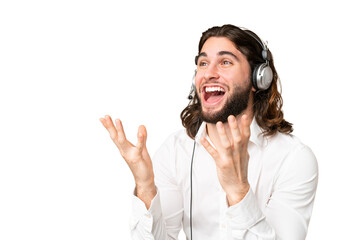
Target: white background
[(64, 64)]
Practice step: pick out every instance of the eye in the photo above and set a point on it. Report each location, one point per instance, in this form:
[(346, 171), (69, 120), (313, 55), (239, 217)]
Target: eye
[(202, 64), (226, 62)]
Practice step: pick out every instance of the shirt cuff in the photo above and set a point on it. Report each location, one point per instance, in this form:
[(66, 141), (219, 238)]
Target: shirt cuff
[(141, 215), (246, 213)]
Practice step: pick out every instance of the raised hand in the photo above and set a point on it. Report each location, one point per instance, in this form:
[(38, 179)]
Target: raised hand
[(136, 156), (231, 157)]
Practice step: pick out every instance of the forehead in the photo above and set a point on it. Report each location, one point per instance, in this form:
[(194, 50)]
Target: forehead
[(217, 44)]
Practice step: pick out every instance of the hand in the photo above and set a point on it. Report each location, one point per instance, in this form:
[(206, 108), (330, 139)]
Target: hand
[(232, 158), (137, 157)]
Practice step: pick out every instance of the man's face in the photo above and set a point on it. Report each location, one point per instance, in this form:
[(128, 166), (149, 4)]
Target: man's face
[(222, 80)]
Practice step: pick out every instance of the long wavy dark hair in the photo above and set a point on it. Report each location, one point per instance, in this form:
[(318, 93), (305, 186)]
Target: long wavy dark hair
[(267, 103)]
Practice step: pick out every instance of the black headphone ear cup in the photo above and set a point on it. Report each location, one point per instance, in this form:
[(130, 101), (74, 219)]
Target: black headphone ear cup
[(262, 77)]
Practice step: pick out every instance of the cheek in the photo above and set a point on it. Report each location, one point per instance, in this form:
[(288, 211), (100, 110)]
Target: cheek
[(239, 77), (232, 77), (198, 80)]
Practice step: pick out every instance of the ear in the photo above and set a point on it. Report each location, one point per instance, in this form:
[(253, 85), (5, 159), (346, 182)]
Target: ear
[(253, 89)]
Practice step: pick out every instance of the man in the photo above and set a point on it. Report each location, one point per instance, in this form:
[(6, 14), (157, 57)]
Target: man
[(236, 172)]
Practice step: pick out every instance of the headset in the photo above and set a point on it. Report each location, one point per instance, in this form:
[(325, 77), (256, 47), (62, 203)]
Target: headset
[(193, 88), (262, 74), (261, 79)]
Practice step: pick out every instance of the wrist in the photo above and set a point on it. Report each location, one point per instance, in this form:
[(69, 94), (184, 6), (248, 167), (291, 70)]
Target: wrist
[(146, 193), (238, 195), (145, 187)]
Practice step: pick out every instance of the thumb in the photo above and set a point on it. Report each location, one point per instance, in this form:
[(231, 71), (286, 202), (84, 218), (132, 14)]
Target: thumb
[(141, 136)]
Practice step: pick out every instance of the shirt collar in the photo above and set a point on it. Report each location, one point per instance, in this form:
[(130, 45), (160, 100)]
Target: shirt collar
[(256, 134), (255, 137), (201, 132)]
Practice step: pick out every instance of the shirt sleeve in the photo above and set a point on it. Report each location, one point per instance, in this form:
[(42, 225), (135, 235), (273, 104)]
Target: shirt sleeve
[(289, 207), (163, 219)]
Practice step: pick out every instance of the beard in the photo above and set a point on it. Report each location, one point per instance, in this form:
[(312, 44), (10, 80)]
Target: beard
[(235, 104)]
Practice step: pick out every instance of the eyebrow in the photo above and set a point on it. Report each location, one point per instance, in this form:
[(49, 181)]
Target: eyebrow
[(221, 53), (228, 53)]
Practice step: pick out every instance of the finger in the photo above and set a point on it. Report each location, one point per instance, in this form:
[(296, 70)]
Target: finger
[(236, 135), (120, 131), (144, 150), (108, 124), (141, 136), (103, 121), (121, 140), (245, 130), (235, 132), (210, 149), (226, 147)]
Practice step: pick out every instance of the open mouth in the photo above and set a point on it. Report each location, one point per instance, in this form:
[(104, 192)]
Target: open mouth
[(213, 94)]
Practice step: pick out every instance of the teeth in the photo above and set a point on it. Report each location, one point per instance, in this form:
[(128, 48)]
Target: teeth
[(214, 89)]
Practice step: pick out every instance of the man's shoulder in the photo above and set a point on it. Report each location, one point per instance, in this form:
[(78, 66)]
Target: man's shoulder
[(295, 161), (290, 148), (285, 140)]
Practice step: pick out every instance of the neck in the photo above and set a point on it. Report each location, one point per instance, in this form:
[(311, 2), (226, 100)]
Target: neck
[(212, 131)]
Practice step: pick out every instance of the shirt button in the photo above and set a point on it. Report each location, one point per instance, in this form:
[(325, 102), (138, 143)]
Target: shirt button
[(223, 226), (148, 215)]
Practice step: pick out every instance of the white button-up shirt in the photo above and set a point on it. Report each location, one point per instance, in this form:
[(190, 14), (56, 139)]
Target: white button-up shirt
[(282, 174)]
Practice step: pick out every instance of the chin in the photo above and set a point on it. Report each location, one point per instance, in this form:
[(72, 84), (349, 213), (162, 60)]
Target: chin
[(214, 116), (213, 110)]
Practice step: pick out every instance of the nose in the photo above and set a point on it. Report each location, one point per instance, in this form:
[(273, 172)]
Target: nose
[(211, 72)]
